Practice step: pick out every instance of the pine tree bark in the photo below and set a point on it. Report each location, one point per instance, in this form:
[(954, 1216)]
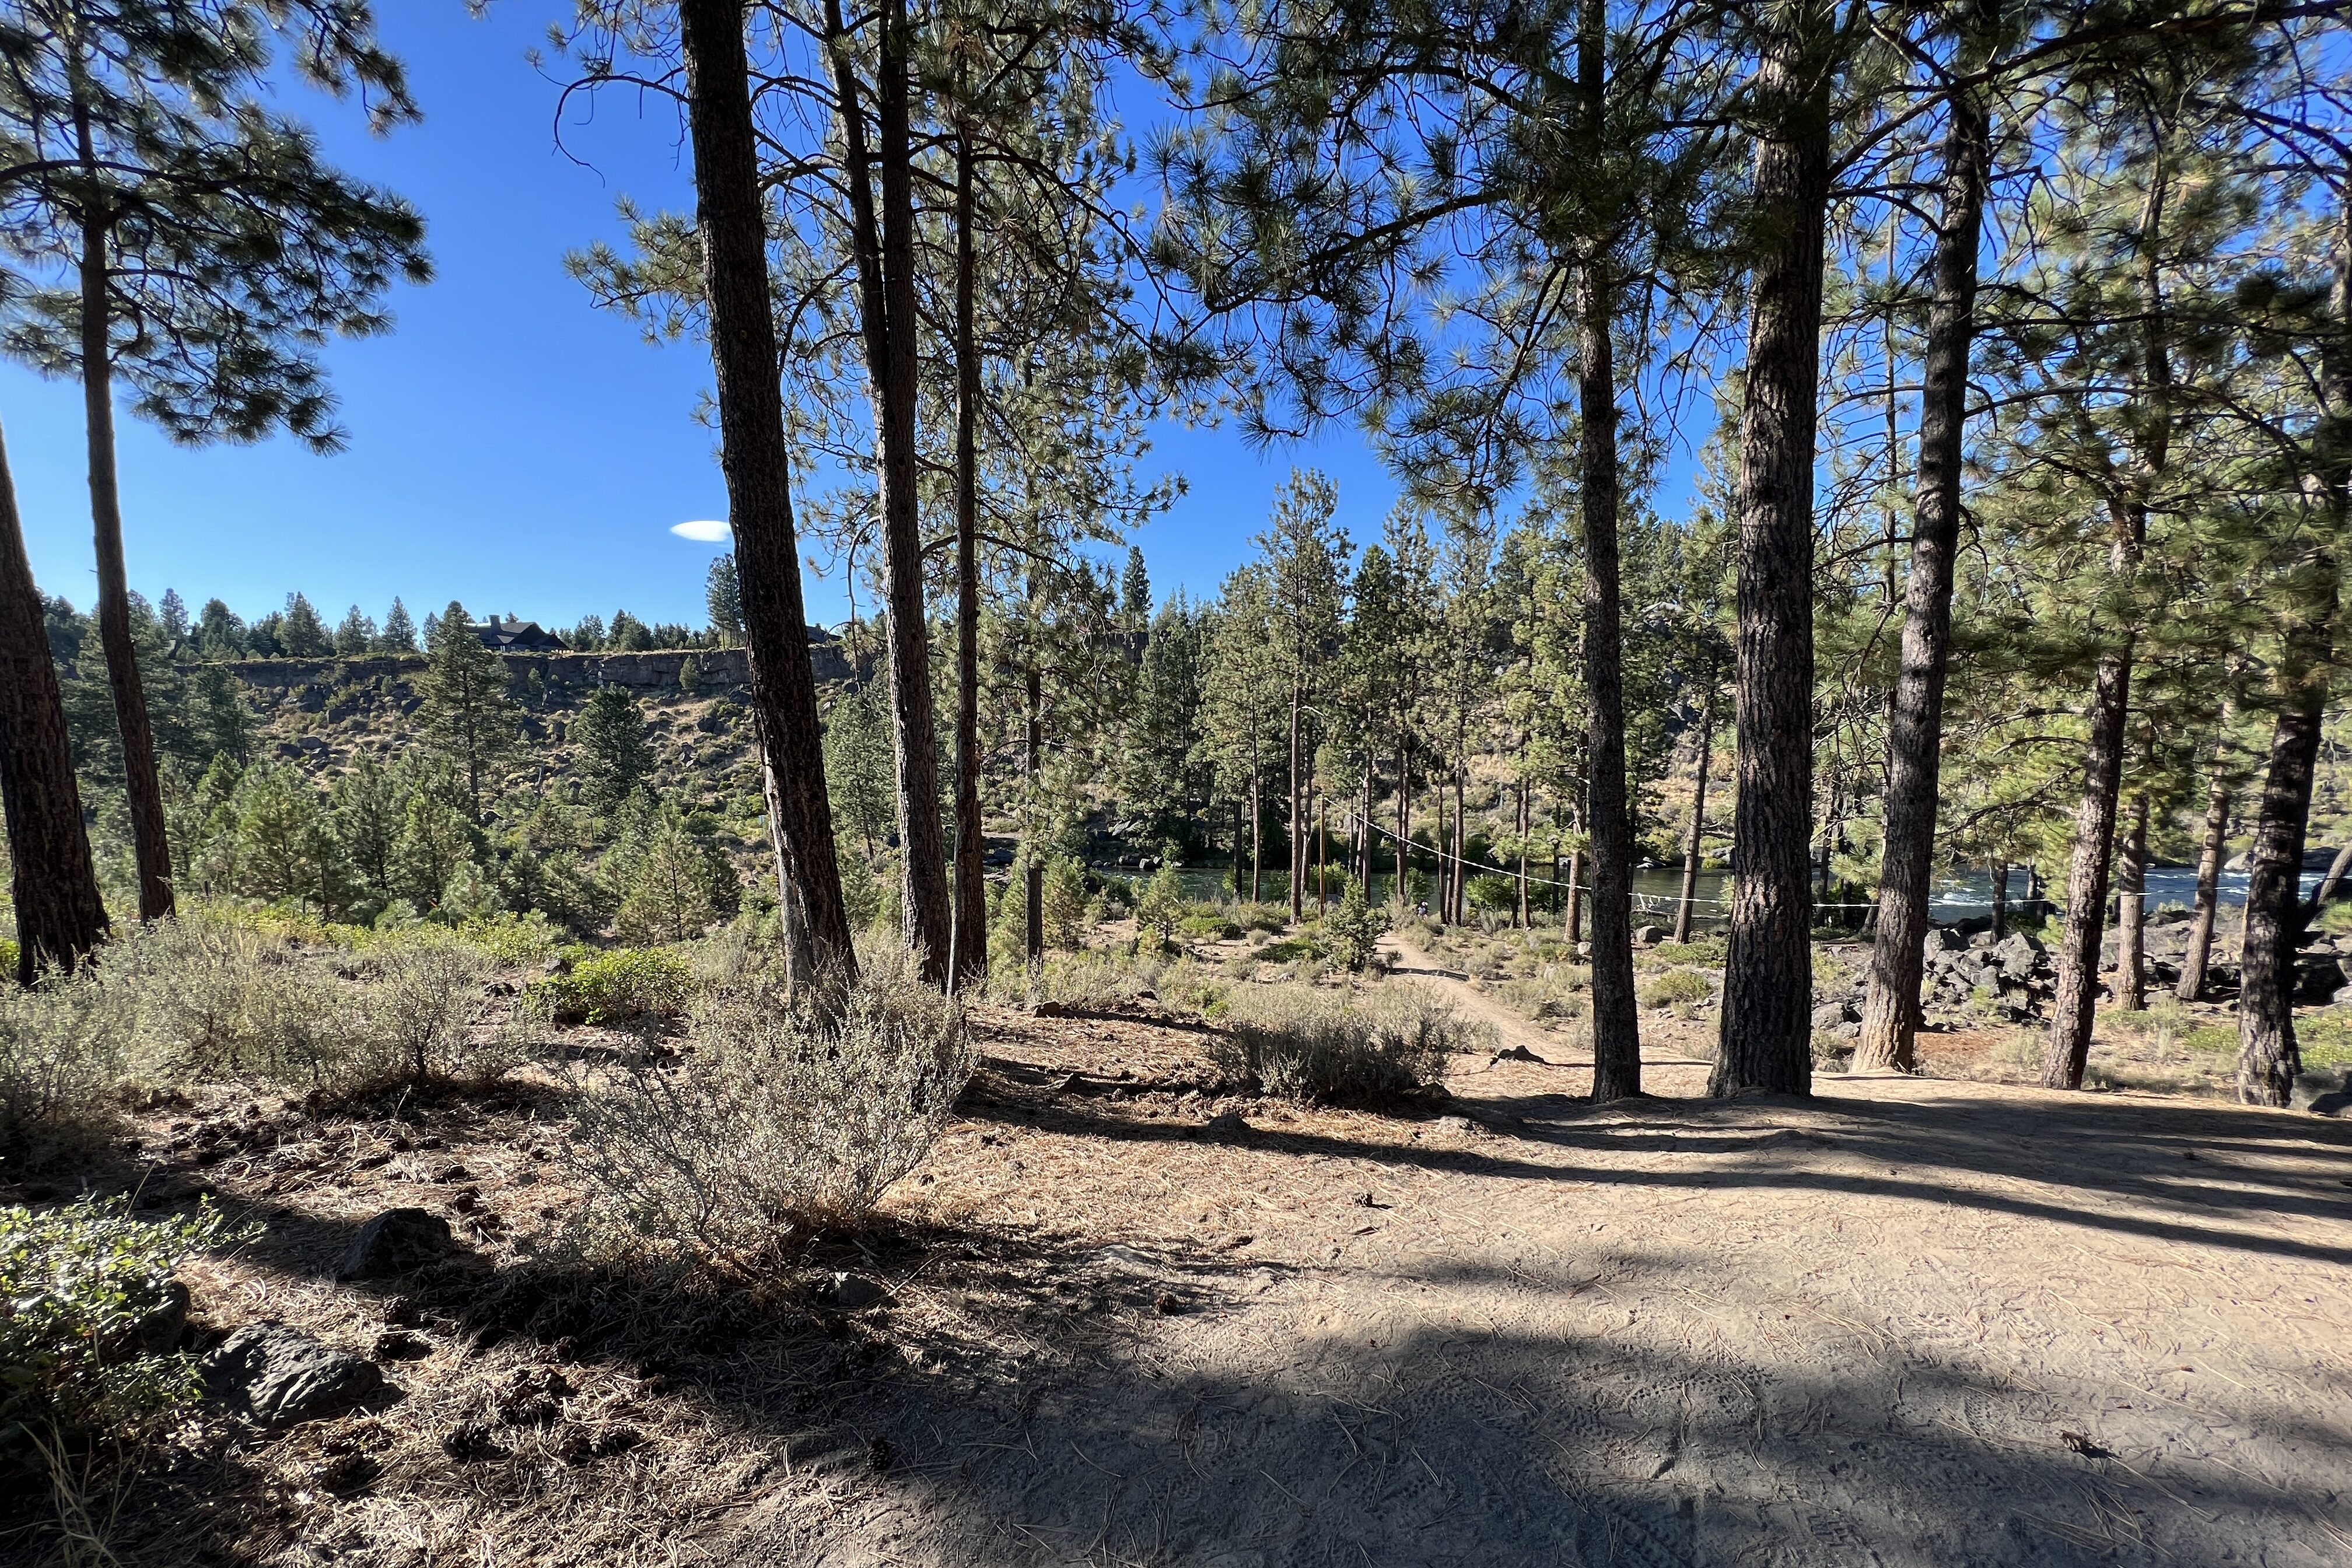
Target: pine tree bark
[(2068, 1047), (2131, 913), (2268, 1055), (1695, 849), (1616, 1022), (884, 245), (1890, 1015), (2000, 900), (971, 913), (757, 467), (143, 782), (1294, 799), (1032, 731), (60, 915), (2215, 840), (1766, 1041)]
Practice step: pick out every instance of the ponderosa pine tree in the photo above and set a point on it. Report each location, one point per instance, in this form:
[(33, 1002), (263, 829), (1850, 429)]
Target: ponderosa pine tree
[(723, 598), (467, 714), (60, 914), (1766, 1040), (732, 233), (1304, 549), (399, 634), (169, 229), (1890, 1019)]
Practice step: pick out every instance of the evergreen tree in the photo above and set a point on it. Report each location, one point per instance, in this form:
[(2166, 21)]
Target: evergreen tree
[(613, 756), (1134, 592), (668, 894), (723, 594), (857, 769), (467, 715), (174, 612), (368, 813), (301, 634), (217, 715), (220, 634), (166, 228), (1306, 551), (60, 914), (399, 634), (356, 637), (285, 846)]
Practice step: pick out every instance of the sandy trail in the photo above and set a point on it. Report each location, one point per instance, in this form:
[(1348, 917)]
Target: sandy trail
[(1905, 1322)]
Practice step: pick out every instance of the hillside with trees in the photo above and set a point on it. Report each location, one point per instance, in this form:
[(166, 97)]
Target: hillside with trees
[(1756, 968)]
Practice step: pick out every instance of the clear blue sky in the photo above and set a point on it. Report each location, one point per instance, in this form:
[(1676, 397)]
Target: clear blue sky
[(509, 446)]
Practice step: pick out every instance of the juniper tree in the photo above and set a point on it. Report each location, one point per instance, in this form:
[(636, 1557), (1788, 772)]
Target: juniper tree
[(165, 227)]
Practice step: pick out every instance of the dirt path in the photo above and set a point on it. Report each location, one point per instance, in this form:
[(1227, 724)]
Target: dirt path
[(1905, 1322), (1664, 1042)]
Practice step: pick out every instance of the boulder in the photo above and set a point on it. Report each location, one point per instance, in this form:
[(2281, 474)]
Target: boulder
[(1648, 936), (394, 1242), (1226, 1123), (1829, 1015), (2321, 1093), (275, 1372), (1942, 939)]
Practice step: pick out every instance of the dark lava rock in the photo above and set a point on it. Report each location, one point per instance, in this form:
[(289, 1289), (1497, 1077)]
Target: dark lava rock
[(394, 1242), (274, 1371)]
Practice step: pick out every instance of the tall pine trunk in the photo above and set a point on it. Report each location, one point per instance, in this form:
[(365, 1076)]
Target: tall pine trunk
[(1767, 992), (1616, 1023), (1890, 1015), (2268, 1057), (1695, 846), (2131, 913), (1032, 735), (971, 913), (1295, 799), (2000, 899), (758, 469), (884, 245), (60, 915), (2068, 1047), (2211, 848), (142, 783)]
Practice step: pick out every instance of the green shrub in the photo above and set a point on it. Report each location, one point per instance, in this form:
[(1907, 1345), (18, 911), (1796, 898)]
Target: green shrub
[(1309, 1044), (615, 986), (1162, 907), (224, 999), (1356, 927), (1677, 988), (89, 1291), (509, 938), (1209, 925), (1707, 950), (1491, 892), (777, 1123)]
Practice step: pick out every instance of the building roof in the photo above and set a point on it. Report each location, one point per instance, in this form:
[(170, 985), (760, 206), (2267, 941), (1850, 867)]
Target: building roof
[(516, 635)]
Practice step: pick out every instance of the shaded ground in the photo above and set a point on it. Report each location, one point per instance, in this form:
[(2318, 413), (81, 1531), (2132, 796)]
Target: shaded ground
[(1907, 1322), (1903, 1322)]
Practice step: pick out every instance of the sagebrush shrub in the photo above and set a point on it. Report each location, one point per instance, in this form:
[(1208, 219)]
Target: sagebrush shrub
[(777, 1121), (1310, 1044), (65, 1046), (1677, 988), (421, 996)]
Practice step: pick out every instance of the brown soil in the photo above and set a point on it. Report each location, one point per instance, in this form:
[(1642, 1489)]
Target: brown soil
[(1905, 1321)]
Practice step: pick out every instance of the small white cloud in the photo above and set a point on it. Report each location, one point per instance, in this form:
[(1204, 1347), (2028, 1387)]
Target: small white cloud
[(704, 532)]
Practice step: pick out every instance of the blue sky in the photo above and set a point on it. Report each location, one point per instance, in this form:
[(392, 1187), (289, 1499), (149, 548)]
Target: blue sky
[(509, 446)]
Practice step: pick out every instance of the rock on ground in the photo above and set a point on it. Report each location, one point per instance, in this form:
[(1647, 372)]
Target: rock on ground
[(275, 1372)]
